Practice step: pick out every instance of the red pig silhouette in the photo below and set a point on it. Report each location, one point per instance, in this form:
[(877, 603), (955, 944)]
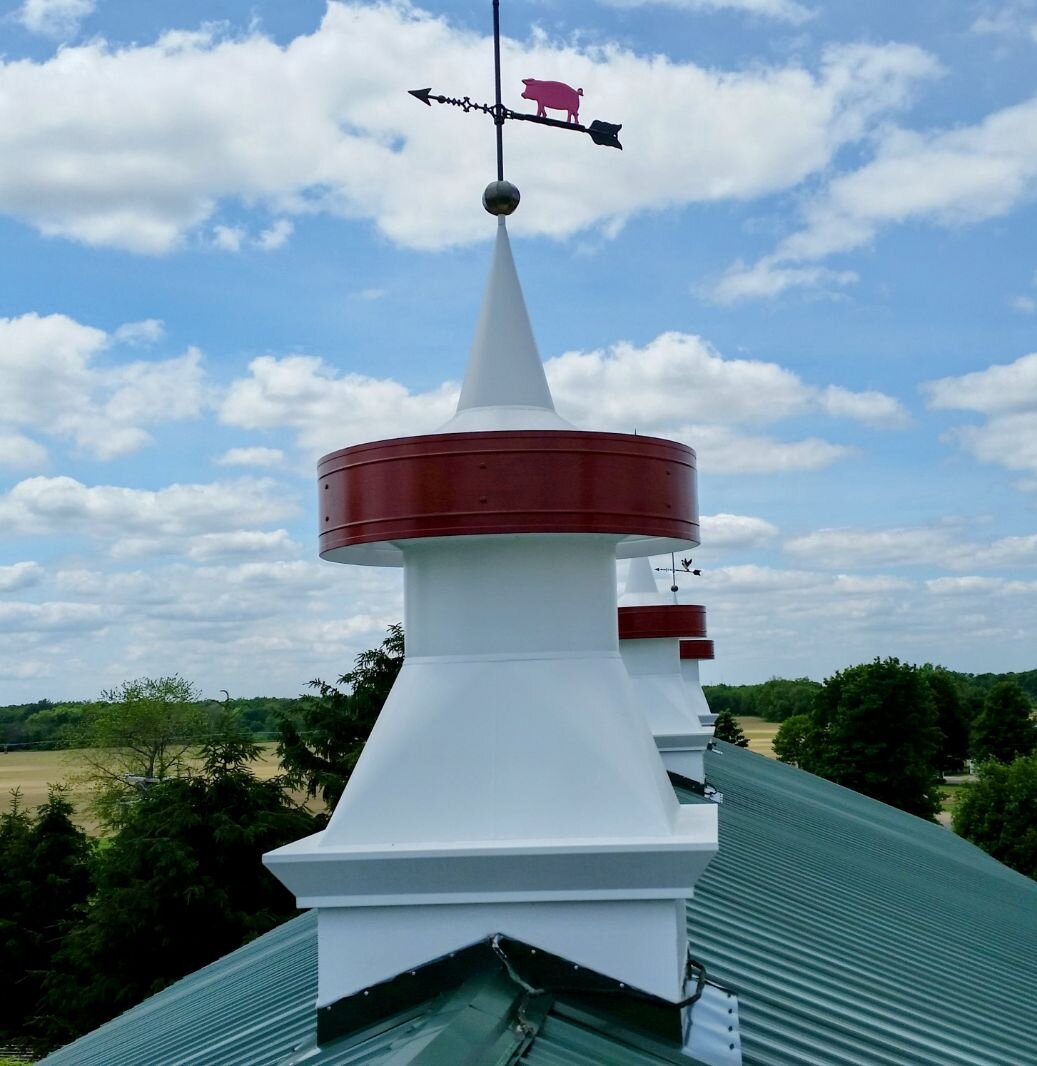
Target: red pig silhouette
[(555, 95)]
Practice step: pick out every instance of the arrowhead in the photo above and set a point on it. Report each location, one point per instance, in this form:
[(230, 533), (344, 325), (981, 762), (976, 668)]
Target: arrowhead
[(422, 95), (605, 133)]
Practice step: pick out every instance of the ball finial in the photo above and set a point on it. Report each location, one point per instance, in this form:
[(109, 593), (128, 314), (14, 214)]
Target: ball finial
[(500, 198)]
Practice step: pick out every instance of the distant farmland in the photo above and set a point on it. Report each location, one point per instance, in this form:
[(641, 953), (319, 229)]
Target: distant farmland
[(33, 771)]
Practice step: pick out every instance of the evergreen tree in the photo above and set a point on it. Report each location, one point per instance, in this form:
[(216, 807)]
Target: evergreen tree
[(876, 732), (44, 883), (179, 885), (1004, 728), (320, 745), (999, 813), (727, 728)]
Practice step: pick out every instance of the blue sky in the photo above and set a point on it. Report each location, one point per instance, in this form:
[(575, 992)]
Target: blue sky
[(230, 242)]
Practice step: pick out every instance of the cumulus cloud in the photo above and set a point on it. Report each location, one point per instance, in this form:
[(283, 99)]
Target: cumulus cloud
[(951, 177), (55, 385), (42, 506), (330, 410), (782, 10), (20, 576), (250, 457), (276, 235), (1007, 394), (18, 452), (54, 18), (148, 331), (139, 146), (942, 546), (736, 531), (676, 385), (47, 617)]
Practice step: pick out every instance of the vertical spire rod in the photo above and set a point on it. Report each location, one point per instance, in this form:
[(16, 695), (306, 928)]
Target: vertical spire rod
[(498, 114)]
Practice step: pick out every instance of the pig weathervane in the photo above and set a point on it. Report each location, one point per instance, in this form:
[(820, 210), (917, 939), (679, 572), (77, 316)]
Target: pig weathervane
[(501, 197)]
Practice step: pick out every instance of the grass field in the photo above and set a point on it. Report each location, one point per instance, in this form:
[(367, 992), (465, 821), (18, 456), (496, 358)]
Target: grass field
[(760, 734), (33, 771)]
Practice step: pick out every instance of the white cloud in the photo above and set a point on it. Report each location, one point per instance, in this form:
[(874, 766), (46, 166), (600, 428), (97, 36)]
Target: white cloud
[(1007, 394), (764, 279), (48, 617), (276, 235), (240, 544), (1002, 387), (872, 408), (54, 18), (42, 506), (228, 238), (250, 457), (782, 10), (676, 385), (329, 410), (18, 452), (949, 177), (53, 385), (1025, 305), (368, 294), (1016, 19), (736, 531), (940, 546), (148, 331), (20, 576), (138, 146)]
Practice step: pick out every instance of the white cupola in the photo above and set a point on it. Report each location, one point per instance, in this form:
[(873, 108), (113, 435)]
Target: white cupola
[(511, 785), (651, 626)]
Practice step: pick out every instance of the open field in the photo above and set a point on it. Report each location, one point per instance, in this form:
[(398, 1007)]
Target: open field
[(33, 771), (760, 733)]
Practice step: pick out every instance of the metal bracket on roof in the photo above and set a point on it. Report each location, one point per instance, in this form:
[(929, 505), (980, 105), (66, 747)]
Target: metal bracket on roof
[(711, 1027), (702, 788)]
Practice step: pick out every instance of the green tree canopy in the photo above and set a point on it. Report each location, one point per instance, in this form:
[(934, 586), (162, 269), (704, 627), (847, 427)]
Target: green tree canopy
[(952, 718), (999, 813), (794, 742), (179, 885), (727, 728), (1004, 728), (320, 745), (136, 734), (876, 732), (44, 883)]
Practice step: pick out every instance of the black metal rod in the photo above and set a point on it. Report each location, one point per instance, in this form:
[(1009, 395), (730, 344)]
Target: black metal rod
[(498, 117)]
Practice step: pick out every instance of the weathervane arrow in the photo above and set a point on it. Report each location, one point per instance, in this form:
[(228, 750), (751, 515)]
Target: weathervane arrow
[(553, 95)]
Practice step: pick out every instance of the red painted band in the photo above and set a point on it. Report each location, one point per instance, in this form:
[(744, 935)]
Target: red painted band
[(518, 481), (697, 649), (664, 620)]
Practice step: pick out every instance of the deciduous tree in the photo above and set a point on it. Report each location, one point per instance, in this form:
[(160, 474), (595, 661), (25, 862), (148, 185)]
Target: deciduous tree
[(794, 741), (1004, 728), (876, 732), (137, 734), (999, 813)]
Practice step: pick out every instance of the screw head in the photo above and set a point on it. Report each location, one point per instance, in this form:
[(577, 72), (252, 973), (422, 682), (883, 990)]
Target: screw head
[(501, 198)]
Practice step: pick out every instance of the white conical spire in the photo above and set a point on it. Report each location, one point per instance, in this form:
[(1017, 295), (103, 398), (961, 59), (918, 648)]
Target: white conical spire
[(641, 589), (641, 579), (504, 385)]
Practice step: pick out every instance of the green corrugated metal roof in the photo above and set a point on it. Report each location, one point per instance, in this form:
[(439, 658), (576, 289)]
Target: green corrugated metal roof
[(853, 933)]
